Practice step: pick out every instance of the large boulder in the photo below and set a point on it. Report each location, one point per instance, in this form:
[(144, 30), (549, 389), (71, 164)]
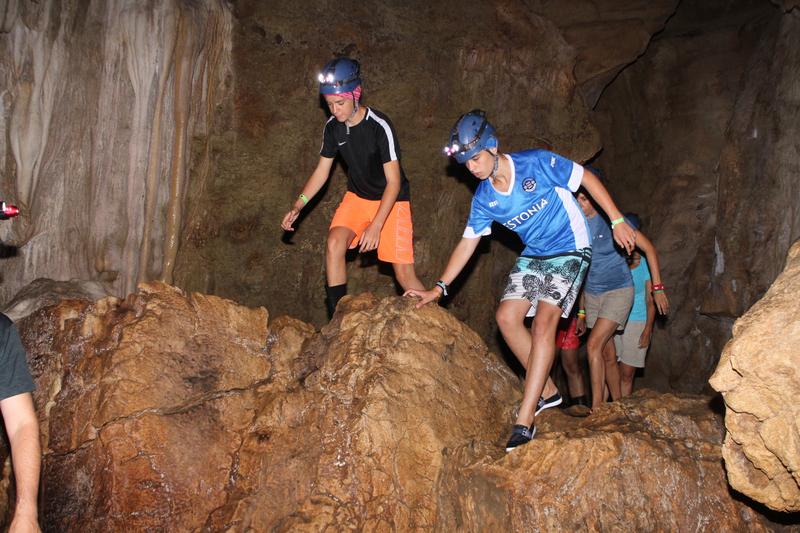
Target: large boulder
[(168, 411), (647, 463), (759, 378)]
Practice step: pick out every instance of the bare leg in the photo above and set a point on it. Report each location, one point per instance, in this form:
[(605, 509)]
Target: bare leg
[(407, 277), (339, 238), (626, 373), (543, 352), (569, 360), (612, 369), (601, 332), (510, 317)]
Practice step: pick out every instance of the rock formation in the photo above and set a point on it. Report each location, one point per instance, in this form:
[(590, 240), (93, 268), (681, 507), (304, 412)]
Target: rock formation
[(167, 411), (648, 463), (759, 377), (181, 412)]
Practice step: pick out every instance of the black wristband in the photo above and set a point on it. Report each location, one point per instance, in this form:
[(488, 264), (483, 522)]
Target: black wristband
[(442, 285)]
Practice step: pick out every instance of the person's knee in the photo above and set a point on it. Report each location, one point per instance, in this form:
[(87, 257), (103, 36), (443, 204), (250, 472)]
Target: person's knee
[(505, 318), (570, 365), (336, 244), (627, 373)]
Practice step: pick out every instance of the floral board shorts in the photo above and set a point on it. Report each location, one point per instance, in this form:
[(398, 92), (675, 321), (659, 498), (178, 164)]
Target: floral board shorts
[(554, 279)]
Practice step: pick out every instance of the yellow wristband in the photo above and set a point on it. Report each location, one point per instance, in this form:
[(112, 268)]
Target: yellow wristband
[(616, 222), (304, 198)]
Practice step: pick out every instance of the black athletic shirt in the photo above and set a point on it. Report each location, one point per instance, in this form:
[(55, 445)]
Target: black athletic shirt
[(368, 145)]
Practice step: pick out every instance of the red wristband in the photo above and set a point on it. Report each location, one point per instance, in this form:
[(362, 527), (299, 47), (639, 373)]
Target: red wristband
[(658, 287)]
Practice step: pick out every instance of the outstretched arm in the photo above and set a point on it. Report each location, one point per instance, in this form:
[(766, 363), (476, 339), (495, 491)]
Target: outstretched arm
[(660, 297), (458, 260), (623, 233), (312, 187), (22, 428)]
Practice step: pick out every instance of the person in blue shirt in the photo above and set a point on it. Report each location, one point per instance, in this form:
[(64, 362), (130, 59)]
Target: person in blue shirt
[(608, 296), (632, 344), (530, 193)]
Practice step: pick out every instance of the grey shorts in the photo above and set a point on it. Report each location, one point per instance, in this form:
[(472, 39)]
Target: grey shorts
[(555, 279), (614, 305), (627, 344)]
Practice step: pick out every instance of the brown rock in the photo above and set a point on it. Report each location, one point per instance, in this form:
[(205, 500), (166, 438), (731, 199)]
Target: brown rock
[(175, 412), (759, 377), (647, 463)]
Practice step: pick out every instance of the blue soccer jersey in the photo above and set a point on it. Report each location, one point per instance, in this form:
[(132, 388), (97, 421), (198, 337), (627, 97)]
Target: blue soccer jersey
[(539, 205)]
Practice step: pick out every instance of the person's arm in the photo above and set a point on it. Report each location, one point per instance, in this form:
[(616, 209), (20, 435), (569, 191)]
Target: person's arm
[(22, 428), (312, 187), (644, 244), (372, 235), (458, 260), (580, 325), (644, 339), (623, 233)]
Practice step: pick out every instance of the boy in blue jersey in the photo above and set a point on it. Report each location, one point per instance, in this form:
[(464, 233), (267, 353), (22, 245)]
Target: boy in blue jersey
[(529, 193)]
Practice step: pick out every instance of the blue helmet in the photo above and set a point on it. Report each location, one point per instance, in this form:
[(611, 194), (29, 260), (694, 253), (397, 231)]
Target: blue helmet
[(470, 134), (340, 75)]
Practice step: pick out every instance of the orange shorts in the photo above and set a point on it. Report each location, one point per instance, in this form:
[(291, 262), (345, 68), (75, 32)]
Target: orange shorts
[(397, 234), (566, 338)]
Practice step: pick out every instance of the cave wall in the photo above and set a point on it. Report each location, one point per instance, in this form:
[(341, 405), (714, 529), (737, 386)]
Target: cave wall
[(101, 103), (700, 137), (529, 64), (165, 140)]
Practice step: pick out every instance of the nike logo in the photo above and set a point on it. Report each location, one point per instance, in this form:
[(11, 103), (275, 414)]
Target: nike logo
[(341, 143)]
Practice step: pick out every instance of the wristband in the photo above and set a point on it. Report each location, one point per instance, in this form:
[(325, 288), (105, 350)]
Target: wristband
[(581, 312), (658, 287), (304, 198), (442, 285), (617, 221)]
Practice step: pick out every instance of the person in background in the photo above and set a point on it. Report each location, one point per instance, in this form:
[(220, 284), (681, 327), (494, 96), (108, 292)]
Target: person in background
[(375, 213), (530, 193), (568, 342), (632, 344), (22, 426), (608, 297)]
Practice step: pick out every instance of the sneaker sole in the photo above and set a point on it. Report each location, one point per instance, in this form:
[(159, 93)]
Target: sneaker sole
[(549, 405)]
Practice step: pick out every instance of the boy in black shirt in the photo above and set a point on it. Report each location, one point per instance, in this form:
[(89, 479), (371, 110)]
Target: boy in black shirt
[(375, 212)]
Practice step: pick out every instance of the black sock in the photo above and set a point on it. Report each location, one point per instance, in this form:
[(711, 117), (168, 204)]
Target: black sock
[(334, 294)]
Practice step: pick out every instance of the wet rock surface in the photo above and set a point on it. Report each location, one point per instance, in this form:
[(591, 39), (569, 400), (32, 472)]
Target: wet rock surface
[(759, 377), (648, 463), (179, 412), (185, 412)]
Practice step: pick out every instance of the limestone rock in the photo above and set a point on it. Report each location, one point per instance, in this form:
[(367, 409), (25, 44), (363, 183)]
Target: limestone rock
[(173, 412), (43, 292), (648, 463), (759, 378)]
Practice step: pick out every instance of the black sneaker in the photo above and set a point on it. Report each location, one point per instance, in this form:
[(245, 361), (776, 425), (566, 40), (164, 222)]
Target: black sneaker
[(520, 435), (552, 401)]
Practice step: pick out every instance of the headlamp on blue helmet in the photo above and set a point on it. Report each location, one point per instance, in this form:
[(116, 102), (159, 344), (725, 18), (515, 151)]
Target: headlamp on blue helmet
[(340, 75), (470, 134)]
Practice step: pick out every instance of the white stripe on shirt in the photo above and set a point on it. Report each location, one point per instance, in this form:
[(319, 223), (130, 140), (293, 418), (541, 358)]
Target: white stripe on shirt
[(388, 130), (575, 177), (576, 219)]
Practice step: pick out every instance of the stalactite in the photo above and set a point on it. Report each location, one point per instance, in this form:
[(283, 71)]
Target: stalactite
[(154, 161), (183, 60)]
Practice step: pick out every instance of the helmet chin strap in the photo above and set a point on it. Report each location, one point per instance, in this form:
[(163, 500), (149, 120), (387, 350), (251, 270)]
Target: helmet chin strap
[(353, 114), (493, 175)]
